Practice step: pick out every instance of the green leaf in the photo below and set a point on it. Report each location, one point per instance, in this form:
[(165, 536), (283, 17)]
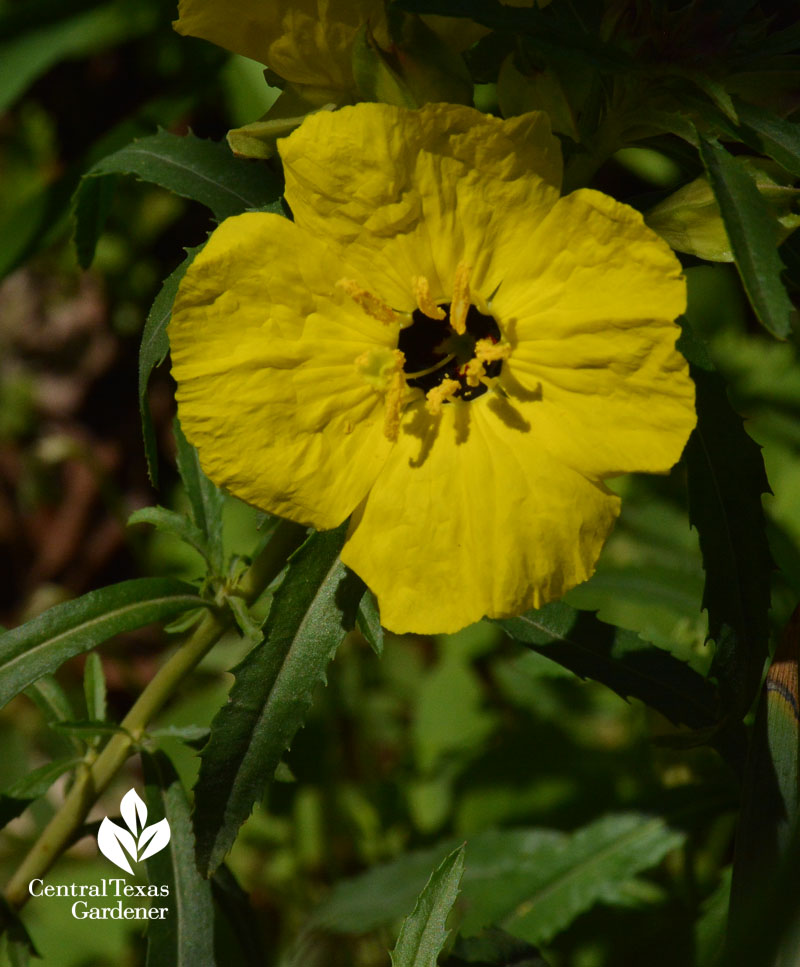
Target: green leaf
[(311, 612), (532, 882), (153, 351), (204, 171), (205, 498), (173, 523), (18, 797), (368, 621), (424, 933), (726, 478), (774, 136), (386, 892), (43, 644), (51, 700), (595, 865), (91, 206), (753, 233), (94, 687), (711, 926), (617, 658), (243, 940), (20, 946), (185, 937)]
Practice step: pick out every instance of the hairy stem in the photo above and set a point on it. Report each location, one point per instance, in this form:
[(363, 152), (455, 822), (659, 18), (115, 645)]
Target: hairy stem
[(96, 775)]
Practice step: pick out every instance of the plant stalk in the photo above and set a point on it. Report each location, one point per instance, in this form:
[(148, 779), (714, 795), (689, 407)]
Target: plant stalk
[(96, 775)]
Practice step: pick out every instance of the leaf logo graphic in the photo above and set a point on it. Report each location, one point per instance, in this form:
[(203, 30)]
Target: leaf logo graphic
[(139, 840)]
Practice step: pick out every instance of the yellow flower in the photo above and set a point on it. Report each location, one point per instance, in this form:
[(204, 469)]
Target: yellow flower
[(306, 42), (441, 347)]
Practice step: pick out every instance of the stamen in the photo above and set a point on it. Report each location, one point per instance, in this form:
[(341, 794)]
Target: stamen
[(371, 304), (489, 351), (459, 307), (440, 394), (474, 372), (432, 369), (425, 303), (394, 399)]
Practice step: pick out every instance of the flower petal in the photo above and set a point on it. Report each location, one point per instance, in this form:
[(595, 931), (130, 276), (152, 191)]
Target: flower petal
[(589, 309), (263, 348), (469, 518), (304, 41), (413, 193)]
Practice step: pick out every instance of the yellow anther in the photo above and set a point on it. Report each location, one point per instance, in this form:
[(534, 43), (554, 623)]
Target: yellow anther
[(370, 303), (474, 372), (395, 397), (488, 351), (425, 303), (459, 307), (435, 397)]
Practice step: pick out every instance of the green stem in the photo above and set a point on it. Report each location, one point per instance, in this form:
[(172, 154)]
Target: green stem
[(96, 775)]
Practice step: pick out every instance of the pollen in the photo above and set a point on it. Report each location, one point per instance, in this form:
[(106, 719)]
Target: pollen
[(425, 303), (474, 371), (489, 351), (446, 390), (369, 302), (459, 307)]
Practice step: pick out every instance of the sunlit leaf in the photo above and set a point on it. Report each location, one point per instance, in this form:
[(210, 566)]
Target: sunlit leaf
[(43, 644), (424, 933), (311, 612)]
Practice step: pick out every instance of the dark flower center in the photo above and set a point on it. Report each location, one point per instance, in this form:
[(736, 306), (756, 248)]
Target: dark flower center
[(434, 351)]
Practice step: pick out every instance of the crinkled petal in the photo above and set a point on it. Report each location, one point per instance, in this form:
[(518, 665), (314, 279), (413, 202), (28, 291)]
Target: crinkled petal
[(263, 348), (412, 193), (589, 308), (468, 517), (304, 41)]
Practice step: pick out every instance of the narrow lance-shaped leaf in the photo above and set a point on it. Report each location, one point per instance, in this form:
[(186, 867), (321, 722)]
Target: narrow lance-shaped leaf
[(18, 797), (595, 867), (778, 138), (205, 497), (204, 171), (19, 944), (753, 233), (311, 612), (185, 937), (368, 620), (43, 644), (94, 687), (153, 351), (233, 907), (617, 658), (532, 882), (726, 478), (171, 522), (424, 931)]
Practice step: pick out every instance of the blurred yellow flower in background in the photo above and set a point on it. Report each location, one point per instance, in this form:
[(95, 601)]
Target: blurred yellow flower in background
[(309, 42), (442, 347)]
